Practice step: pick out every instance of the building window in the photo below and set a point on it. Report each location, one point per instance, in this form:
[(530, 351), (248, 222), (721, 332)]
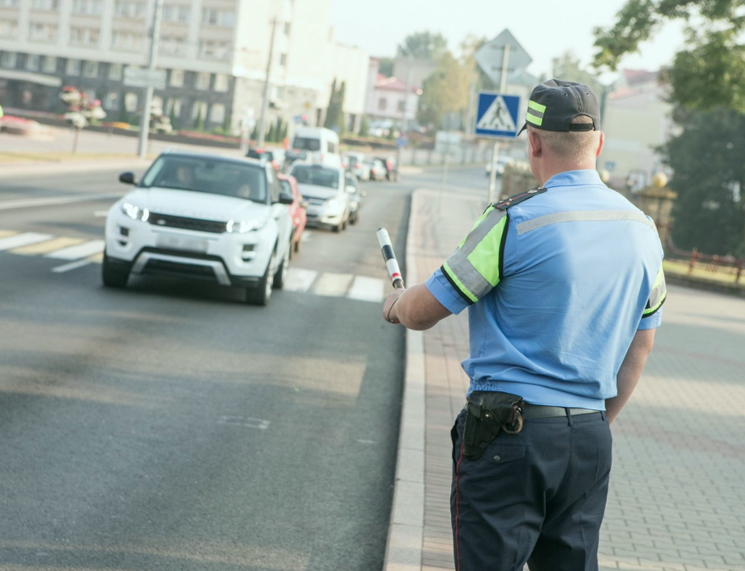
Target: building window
[(115, 71), (177, 78), (33, 62), (214, 17), (130, 9), (84, 36), (91, 7), (176, 14), (222, 82), (202, 81), (130, 102), (50, 64), (217, 113), (9, 3), (199, 109), (111, 102), (174, 107), (401, 105), (8, 28), (129, 41), (287, 29), (90, 69), (8, 59), (382, 104), (47, 5), (73, 67), (42, 32), (283, 60), (172, 46), (209, 49)]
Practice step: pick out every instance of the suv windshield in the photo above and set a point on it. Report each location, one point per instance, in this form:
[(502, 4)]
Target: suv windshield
[(319, 176), (306, 144), (208, 174)]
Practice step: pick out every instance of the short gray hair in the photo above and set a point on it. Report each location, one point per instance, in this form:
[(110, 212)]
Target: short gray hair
[(570, 145)]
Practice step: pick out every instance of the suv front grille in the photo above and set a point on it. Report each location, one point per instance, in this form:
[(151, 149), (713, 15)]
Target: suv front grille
[(197, 224)]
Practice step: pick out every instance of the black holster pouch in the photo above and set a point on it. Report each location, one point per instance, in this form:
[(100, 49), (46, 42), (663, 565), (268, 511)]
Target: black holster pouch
[(488, 413)]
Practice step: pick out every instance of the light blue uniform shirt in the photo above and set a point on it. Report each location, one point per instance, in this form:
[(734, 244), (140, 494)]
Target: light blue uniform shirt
[(579, 264)]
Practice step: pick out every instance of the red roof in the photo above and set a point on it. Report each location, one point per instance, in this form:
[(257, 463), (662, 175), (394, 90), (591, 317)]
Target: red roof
[(392, 84)]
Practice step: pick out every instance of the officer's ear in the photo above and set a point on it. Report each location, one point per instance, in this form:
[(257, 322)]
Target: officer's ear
[(534, 144), (601, 142)]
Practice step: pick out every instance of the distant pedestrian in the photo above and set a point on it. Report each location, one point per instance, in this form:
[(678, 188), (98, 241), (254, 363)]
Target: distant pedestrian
[(564, 286)]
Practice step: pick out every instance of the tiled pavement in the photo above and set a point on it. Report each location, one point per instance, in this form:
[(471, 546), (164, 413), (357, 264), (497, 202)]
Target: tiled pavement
[(677, 496)]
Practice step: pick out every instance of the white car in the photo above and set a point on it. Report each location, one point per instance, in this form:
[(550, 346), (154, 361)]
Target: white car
[(205, 217), (357, 164), (324, 189)]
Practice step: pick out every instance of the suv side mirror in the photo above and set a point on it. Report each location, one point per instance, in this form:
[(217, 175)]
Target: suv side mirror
[(127, 177), (285, 198)]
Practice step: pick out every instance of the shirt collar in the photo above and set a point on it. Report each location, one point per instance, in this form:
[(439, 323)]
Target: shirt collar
[(574, 178)]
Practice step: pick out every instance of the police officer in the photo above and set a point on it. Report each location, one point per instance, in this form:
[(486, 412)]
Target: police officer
[(564, 286)]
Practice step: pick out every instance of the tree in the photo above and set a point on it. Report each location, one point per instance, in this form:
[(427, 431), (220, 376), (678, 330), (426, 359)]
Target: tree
[(707, 74), (709, 176), (335, 110), (567, 66), (385, 66), (199, 120), (423, 45), (445, 91), (364, 126)]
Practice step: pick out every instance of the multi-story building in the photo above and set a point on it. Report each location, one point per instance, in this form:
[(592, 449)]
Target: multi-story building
[(214, 54)]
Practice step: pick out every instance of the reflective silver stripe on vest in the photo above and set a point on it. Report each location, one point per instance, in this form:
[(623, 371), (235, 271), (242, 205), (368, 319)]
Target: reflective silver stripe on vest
[(583, 215), (459, 267), (657, 296)]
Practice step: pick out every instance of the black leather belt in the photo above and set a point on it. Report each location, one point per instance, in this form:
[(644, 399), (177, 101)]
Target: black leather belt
[(539, 411)]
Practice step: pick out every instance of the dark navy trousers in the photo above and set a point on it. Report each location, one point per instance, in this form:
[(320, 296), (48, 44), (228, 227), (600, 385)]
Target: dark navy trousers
[(537, 497)]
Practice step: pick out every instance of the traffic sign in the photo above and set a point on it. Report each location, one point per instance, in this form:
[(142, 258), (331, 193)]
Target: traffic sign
[(490, 56), (143, 77), (496, 115)]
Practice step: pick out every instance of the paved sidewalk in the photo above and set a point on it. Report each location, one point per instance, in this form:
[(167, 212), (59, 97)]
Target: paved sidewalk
[(677, 497)]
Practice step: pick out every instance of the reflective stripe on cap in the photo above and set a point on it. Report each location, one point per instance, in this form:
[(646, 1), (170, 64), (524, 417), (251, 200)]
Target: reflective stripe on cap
[(535, 113)]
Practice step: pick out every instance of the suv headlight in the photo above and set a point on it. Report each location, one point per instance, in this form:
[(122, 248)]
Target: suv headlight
[(135, 212), (335, 205), (243, 226)]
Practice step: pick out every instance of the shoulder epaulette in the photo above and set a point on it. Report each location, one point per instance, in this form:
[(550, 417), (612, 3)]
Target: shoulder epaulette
[(518, 198)]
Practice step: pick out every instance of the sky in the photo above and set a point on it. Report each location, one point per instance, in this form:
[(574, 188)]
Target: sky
[(544, 28)]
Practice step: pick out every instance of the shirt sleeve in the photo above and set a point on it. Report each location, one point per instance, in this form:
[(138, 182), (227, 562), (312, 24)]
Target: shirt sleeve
[(476, 266), (444, 292), (652, 314)]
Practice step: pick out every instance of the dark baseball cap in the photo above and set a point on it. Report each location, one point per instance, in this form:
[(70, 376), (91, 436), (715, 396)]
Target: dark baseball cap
[(554, 103)]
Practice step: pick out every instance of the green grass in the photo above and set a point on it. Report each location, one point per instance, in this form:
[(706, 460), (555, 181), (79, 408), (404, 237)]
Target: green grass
[(702, 271)]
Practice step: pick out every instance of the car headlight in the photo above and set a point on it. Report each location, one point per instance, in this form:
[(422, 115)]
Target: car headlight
[(243, 226), (135, 212), (334, 205)]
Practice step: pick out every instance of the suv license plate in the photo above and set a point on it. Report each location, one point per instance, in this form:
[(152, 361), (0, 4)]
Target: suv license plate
[(185, 243)]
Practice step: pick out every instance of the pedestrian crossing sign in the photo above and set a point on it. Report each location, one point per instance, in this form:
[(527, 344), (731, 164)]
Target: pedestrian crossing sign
[(496, 115)]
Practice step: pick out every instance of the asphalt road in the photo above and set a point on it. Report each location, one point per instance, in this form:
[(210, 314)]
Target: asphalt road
[(171, 426)]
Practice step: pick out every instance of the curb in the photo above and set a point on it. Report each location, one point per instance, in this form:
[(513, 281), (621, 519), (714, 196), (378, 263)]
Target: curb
[(44, 168), (406, 528)]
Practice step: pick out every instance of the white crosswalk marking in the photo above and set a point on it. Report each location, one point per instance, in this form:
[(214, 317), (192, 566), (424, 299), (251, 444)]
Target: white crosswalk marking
[(333, 284), (23, 240), (366, 289), (299, 279), (79, 251)]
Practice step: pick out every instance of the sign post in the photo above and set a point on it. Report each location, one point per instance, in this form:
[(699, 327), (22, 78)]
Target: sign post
[(496, 115)]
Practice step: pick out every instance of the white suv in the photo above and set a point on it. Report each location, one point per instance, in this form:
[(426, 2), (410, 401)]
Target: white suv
[(205, 217)]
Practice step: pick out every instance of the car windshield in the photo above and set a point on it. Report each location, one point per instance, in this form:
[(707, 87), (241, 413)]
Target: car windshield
[(318, 176), (306, 144), (286, 186), (208, 174)]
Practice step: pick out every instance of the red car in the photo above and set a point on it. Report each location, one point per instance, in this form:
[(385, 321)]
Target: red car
[(297, 210)]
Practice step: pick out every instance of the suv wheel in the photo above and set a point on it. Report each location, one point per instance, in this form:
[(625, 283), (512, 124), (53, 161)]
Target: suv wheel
[(111, 276), (262, 292), (280, 277)]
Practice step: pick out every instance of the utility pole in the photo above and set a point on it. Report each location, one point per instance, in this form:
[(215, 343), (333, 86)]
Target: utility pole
[(154, 41), (265, 97)]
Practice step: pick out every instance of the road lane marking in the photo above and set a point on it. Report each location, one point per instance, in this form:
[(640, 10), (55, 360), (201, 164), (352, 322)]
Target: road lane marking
[(333, 285), (45, 247), (13, 204), (80, 251), (71, 266), (23, 240), (366, 289), (299, 279)]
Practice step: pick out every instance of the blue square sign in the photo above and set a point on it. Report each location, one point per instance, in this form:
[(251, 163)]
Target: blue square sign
[(496, 115)]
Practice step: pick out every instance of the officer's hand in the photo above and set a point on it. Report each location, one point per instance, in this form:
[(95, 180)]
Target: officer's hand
[(389, 307)]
